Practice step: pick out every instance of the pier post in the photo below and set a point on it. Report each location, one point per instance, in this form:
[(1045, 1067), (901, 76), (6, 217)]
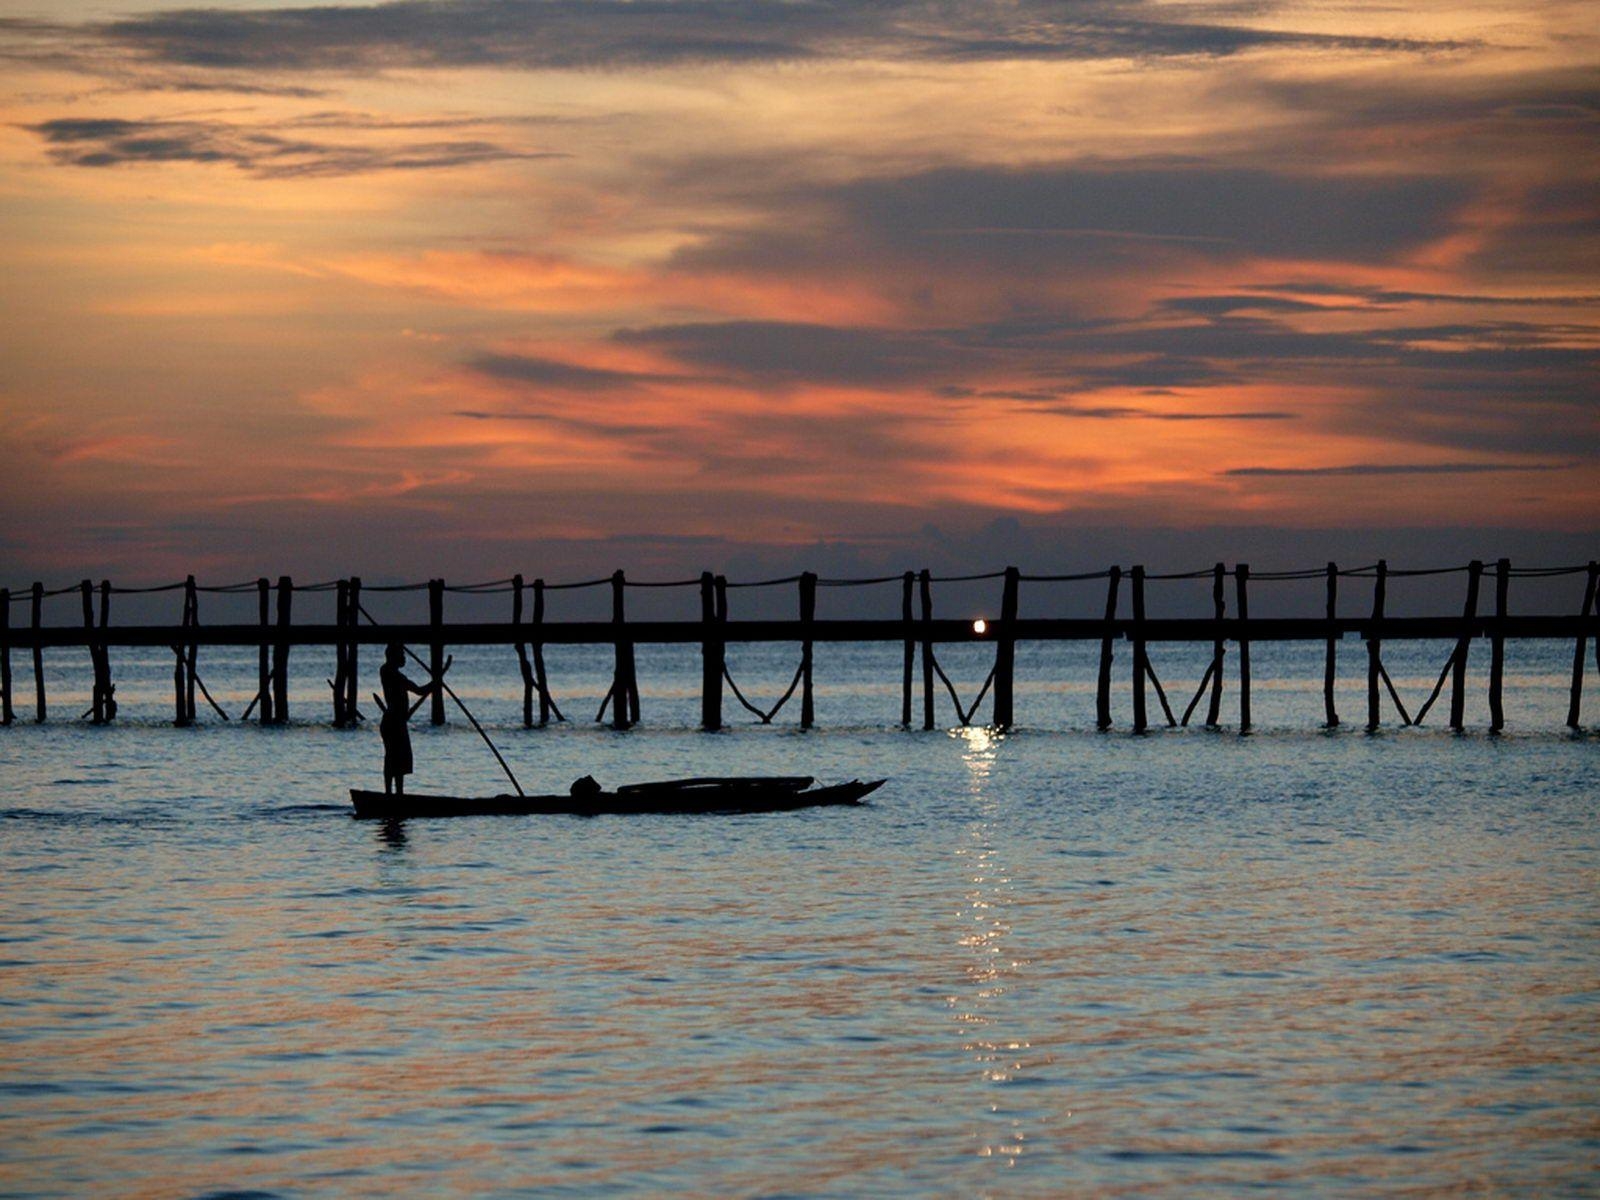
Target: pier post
[(1330, 659), (523, 665), (1005, 652), (436, 646), (263, 672), (280, 652), (1380, 586), (1241, 581), (622, 677), (108, 690), (191, 649), (1102, 699), (40, 707), (808, 614), (1219, 647), (1141, 661), (7, 716), (712, 656), (1458, 671), (925, 587), (1580, 646), (341, 618), (539, 680), (1497, 646), (906, 584), (97, 706), (352, 707), (180, 707)]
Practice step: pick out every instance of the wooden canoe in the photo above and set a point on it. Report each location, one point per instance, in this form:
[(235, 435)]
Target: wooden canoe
[(708, 795)]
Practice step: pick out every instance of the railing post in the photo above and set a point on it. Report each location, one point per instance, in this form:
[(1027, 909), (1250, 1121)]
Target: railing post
[(341, 617), (1380, 586), (263, 672), (1330, 660), (808, 614), (1497, 646), (1458, 672), (108, 690), (1241, 581), (1102, 698), (40, 708), (1219, 647), (539, 680), (280, 652), (436, 646), (191, 650), (906, 584), (1141, 661), (97, 706), (1575, 696), (1005, 653), (925, 585), (7, 716), (180, 706), (712, 656), (622, 676)]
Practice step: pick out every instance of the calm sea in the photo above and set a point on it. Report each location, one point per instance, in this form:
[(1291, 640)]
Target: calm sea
[(1051, 963)]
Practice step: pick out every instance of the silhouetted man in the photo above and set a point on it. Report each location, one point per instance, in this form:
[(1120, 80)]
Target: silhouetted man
[(397, 710)]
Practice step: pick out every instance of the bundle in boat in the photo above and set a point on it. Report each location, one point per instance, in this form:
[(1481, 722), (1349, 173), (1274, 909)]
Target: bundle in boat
[(710, 794)]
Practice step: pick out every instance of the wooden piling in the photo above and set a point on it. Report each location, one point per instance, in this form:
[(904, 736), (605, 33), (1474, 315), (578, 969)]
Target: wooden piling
[(925, 588), (97, 705), (1497, 646), (622, 685), (712, 655), (263, 671), (906, 585), (1102, 699), (1005, 652), (1241, 582), (1330, 658), (808, 614), (108, 690), (352, 706), (523, 665), (1458, 670), (1575, 696), (539, 679), (1219, 647), (1380, 584), (341, 619), (1141, 660), (8, 716), (180, 706), (436, 647), (191, 650), (41, 709), (280, 652)]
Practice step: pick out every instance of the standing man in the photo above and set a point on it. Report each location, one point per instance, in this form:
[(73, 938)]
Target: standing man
[(397, 710)]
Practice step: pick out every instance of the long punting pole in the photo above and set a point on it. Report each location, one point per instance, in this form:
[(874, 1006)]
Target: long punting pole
[(1458, 671), (1141, 661), (1375, 648), (712, 656), (808, 615), (1241, 580), (40, 708), (1330, 715), (1575, 696), (1497, 647), (907, 583), (1219, 647), (1005, 652), (1102, 695), (7, 716), (925, 589), (436, 645)]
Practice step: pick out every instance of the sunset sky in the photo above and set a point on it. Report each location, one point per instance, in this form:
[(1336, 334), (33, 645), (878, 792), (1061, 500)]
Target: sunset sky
[(413, 286)]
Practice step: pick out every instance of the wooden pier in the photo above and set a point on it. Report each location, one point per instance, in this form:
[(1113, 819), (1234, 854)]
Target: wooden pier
[(916, 628)]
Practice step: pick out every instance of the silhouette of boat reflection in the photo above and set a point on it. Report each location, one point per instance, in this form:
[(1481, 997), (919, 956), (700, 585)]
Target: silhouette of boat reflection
[(709, 795)]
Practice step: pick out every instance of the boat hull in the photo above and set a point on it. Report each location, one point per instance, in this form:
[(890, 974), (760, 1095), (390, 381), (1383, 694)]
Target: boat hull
[(672, 797)]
